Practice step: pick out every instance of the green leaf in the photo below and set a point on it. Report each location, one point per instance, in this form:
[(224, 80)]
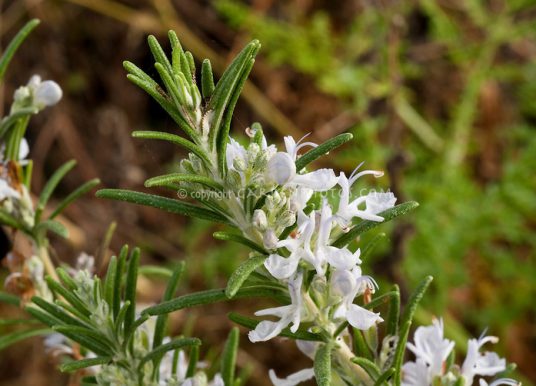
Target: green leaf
[(360, 345), (367, 225), (322, 149), (15, 44), (68, 295), (12, 119), (57, 312), (406, 321), (250, 323), (223, 135), (228, 359), (322, 365), (176, 52), (83, 363), (240, 275), (161, 320), (173, 345), (78, 192), (50, 186), (130, 286), (9, 299), (207, 79), (174, 139), (159, 54), (371, 245), (86, 338), (237, 238), (226, 87), (66, 279), (155, 270), (159, 95), (110, 290), (8, 340), (180, 177), (370, 367), (163, 203), (394, 312), (10, 221), (42, 316), (385, 377), (193, 358), (121, 264), (53, 226), (214, 296)]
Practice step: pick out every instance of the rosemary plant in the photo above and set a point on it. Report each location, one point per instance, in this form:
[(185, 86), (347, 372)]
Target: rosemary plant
[(301, 225)]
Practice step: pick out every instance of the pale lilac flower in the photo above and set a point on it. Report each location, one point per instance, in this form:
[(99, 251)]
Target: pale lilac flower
[(348, 209), (431, 346), (293, 379), (416, 373), (291, 313), (477, 363), (349, 284)]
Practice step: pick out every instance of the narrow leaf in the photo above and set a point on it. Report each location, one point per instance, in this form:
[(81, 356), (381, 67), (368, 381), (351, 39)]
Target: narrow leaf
[(10, 221), (173, 345), (175, 139), (241, 274), (385, 377), (394, 312), (369, 366), (161, 320), (51, 185), (228, 361), (322, 149), (130, 286), (226, 236), (83, 363), (207, 79), (367, 225), (226, 86), (9, 299), (78, 192), (214, 296), (406, 321), (53, 226), (181, 177), (110, 291), (8, 340), (15, 44), (322, 365), (163, 203), (371, 245)]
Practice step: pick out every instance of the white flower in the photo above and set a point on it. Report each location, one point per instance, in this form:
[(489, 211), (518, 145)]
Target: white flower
[(347, 209), (349, 284), (291, 313), (282, 267), (293, 147), (500, 381), (477, 363), (293, 379), (416, 373), (377, 202), (431, 347), (281, 169)]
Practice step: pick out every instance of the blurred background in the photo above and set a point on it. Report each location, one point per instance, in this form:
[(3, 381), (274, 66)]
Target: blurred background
[(440, 94)]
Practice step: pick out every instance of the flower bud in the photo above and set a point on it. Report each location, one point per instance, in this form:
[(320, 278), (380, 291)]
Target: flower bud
[(259, 219), (270, 239), (47, 93)]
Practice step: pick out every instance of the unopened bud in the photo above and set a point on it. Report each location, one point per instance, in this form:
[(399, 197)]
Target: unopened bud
[(259, 219)]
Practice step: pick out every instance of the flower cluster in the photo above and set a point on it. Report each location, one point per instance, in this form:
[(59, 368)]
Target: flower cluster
[(289, 199), (432, 365)]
